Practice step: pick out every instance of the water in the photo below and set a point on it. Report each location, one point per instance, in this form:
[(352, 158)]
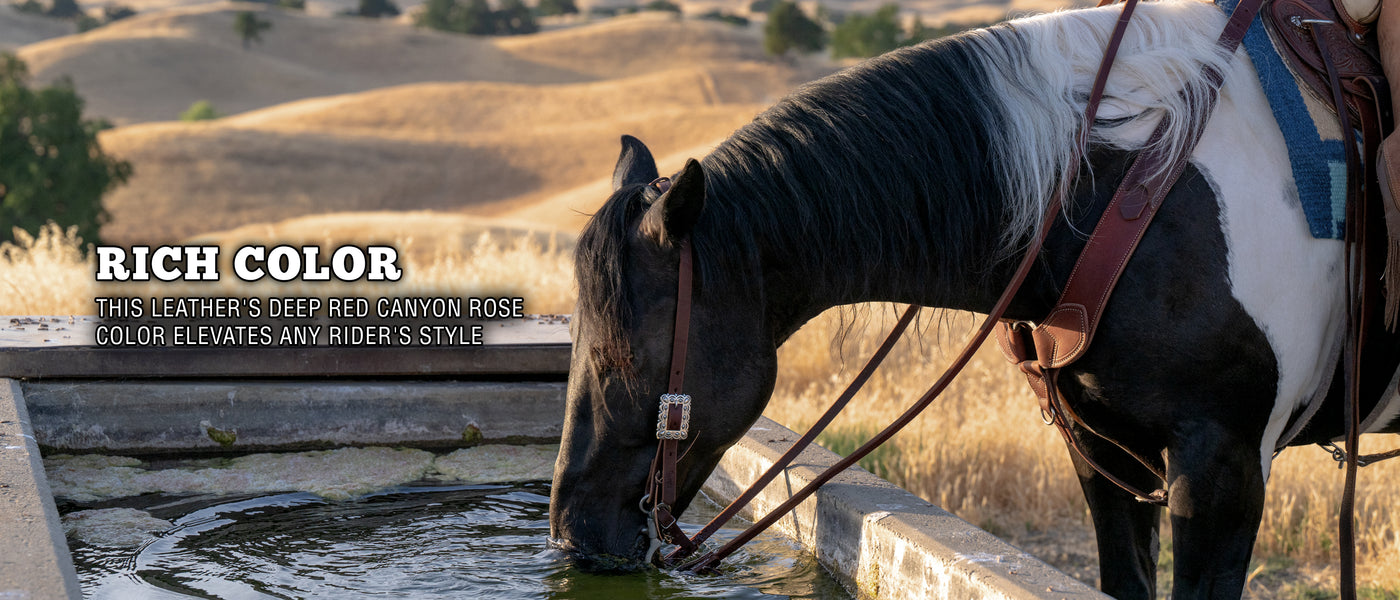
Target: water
[(478, 541)]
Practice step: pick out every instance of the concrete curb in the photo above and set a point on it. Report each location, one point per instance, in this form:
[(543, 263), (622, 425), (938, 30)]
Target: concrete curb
[(34, 559), (881, 540), (157, 417)]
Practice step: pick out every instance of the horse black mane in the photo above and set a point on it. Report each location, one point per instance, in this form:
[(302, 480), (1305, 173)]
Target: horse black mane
[(883, 173)]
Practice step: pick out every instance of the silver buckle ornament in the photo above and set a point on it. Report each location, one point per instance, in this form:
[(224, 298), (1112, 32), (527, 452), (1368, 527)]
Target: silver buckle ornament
[(667, 401)]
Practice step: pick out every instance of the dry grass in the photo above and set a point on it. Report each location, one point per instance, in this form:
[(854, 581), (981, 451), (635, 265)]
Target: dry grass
[(49, 275), (982, 453)]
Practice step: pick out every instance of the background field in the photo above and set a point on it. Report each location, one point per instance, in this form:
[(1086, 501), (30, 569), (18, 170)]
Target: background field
[(480, 158)]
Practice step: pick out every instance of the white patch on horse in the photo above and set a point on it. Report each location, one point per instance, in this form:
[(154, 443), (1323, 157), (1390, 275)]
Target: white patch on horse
[(1042, 71), (1286, 280)]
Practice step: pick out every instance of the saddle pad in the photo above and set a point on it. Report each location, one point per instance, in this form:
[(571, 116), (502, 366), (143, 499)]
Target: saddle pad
[(1310, 131)]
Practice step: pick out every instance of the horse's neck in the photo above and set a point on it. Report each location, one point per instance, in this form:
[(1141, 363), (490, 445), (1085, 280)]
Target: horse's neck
[(799, 281)]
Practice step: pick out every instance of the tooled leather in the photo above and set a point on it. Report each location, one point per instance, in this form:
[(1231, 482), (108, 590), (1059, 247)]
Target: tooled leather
[(1351, 46)]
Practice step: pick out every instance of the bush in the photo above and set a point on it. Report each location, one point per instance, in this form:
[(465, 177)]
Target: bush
[(864, 36), (375, 9), (514, 18), (724, 17), (117, 12), (29, 7), (86, 23), (51, 165), (201, 110), (550, 8), (788, 29), (64, 9), (611, 11), (292, 4), (475, 17), (249, 27), (663, 6)]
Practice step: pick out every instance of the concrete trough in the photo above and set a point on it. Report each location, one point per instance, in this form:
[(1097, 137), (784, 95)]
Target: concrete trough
[(877, 539)]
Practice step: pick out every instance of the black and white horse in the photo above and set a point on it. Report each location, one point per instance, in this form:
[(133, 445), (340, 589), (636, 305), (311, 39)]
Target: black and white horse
[(917, 177)]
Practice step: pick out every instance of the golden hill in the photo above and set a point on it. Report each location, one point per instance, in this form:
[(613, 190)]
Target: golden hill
[(153, 66), (484, 148), (18, 29)]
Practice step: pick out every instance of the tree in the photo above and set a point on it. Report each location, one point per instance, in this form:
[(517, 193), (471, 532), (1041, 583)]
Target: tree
[(51, 165), (117, 12), (86, 22), (515, 18), (864, 36), (662, 6), (474, 17), (549, 8), (436, 14), (29, 7), (789, 28), (249, 27), (64, 9), (724, 17), (375, 9), (201, 110)]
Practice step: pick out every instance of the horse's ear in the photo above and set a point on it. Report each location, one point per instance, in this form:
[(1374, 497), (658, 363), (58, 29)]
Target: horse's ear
[(674, 214), (634, 165)]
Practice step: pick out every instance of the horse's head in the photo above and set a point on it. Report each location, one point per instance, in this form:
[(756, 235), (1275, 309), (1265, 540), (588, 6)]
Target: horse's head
[(627, 268)]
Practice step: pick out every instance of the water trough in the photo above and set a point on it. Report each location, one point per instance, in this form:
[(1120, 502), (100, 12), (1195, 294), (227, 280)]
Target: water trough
[(60, 394)]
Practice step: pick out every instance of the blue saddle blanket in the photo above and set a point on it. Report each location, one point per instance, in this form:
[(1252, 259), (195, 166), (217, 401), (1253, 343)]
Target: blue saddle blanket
[(1319, 164)]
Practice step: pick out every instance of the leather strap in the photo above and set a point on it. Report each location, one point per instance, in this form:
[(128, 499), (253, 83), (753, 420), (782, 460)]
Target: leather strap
[(661, 486), (1355, 262), (729, 512), (1066, 332)]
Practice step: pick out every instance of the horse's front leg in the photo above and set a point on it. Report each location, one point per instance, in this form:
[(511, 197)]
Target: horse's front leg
[(1125, 528), (1216, 502)]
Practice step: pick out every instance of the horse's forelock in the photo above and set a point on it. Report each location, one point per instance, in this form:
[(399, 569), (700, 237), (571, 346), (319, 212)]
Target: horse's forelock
[(600, 266)]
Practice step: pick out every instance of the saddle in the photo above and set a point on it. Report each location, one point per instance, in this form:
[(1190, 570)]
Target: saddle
[(1331, 47)]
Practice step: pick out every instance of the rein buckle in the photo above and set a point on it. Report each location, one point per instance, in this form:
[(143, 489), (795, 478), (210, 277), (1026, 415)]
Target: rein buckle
[(667, 401)]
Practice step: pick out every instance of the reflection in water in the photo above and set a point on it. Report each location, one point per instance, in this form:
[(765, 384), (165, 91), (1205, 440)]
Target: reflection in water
[(479, 541)]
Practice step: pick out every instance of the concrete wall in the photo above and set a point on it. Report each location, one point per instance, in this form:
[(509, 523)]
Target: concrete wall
[(195, 416), (34, 559), (875, 537), (879, 539)]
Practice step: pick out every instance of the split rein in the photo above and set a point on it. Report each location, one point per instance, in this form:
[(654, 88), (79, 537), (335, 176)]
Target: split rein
[(675, 406)]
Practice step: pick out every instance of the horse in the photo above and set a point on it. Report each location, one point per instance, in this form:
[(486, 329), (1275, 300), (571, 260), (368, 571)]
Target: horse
[(917, 177)]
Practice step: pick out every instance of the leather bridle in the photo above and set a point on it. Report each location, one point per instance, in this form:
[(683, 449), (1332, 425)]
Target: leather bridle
[(1139, 197)]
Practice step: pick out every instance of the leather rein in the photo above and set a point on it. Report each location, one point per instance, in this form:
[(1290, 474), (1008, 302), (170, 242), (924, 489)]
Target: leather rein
[(1043, 354)]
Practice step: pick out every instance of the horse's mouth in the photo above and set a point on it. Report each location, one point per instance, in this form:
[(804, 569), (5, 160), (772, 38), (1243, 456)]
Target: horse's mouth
[(604, 563)]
